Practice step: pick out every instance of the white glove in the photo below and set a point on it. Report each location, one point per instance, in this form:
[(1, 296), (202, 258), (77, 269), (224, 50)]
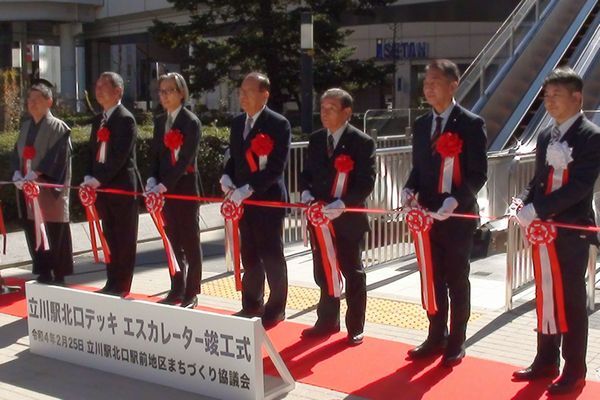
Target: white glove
[(91, 182), (407, 198), (240, 194), (150, 183), (306, 197), (31, 176), (526, 216), (334, 209), (18, 180), (448, 206), (159, 189), (226, 184), (515, 206)]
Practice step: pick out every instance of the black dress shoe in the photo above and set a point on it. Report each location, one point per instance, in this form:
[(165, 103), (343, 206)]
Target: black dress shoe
[(105, 290), (320, 331), (247, 314), (269, 322), (355, 340), (44, 279), (60, 281), (190, 302), (427, 349), (171, 299), (566, 384), (534, 372), (454, 357)]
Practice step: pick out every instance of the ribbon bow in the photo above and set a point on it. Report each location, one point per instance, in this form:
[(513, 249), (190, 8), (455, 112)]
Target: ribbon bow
[(232, 213), (154, 204), (343, 164), (103, 136), (261, 145), (87, 196), (449, 146), (173, 141), (420, 223)]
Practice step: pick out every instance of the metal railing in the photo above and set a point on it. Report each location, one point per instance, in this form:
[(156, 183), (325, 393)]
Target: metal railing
[(391, 122), (505, 43)]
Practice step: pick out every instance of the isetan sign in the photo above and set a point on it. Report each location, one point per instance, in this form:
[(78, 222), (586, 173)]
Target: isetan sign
[(387, 49)]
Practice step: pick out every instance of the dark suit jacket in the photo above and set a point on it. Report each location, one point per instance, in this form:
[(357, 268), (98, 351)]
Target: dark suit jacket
[(319, 174), (425, 174), (120, 169), (180, 178), (572, 202), (269, 183)]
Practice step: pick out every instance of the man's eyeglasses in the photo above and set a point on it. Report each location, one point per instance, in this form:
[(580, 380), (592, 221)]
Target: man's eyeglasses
[(165, 92)]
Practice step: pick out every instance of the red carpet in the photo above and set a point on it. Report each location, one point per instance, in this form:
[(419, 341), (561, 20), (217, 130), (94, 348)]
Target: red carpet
[(377, 369)]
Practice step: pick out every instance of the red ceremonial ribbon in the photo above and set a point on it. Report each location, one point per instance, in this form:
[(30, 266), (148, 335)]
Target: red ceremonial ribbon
[(2, 229), (103, 136), (325, 237), (154, 205), (87, 196), (449, 146), (32, 192), (549, 293), (419, 224), (173, 141), (28, 155), (556, 179), (343, 165), (261, 145), (232, 213)]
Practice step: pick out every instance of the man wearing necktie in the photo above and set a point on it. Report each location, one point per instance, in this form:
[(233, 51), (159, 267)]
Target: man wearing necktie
[(564, 197), (320, 181), (246, 176), (112, 165), (440, 192), (174, 171)]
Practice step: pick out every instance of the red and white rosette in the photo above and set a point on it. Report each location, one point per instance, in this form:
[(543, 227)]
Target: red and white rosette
[(32, 192), (87, 196), (173, 141), (419, 223), (154, 205), (261, 145), (558, 157), (28, 156), (232, 213), (325, 237), (103, 136), (343, 164), (549, 293), (449, 146)]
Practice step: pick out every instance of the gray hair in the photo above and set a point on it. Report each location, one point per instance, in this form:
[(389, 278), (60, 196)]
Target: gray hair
[(264, 83), (179, 83), (45, 91), (344, 97), (115, 79), (565, 76)]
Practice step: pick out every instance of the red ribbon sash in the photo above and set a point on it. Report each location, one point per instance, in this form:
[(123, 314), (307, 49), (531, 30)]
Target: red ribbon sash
[(154, 205), (325, 235), (549, 293), (87, 196), (449, 146), (232, 214), (261, 145), (28, 156), (343, 165), (419, 224), (556, 179), (103, 136), (173, 141), (32, 192)]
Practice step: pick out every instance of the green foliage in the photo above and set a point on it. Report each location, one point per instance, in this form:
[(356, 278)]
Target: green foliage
[(230, 37), (210, 160), (10, 99)]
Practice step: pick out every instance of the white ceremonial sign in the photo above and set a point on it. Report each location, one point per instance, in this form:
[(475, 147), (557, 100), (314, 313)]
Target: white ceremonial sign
[(197, 351)]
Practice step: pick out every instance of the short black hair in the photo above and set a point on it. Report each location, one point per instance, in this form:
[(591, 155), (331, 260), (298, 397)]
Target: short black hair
[(565, 76), (447, 67)]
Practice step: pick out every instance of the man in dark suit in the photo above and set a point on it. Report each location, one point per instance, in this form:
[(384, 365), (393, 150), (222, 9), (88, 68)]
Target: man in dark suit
[(174, 171), (568, 199), (249, 176), (440, 193), (320, 181), (112, 165)]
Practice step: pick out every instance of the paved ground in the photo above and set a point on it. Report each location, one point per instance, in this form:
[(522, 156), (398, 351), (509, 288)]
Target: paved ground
[(393, 293)]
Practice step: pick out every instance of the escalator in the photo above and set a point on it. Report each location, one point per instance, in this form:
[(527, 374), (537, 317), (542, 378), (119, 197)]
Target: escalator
[(503, 83)]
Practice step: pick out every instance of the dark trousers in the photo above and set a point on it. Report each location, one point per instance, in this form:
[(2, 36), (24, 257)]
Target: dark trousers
[(183, 231), (119, 216), (58, 260), (451, 243), (572, 252), (262, 254), (348, 253)]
